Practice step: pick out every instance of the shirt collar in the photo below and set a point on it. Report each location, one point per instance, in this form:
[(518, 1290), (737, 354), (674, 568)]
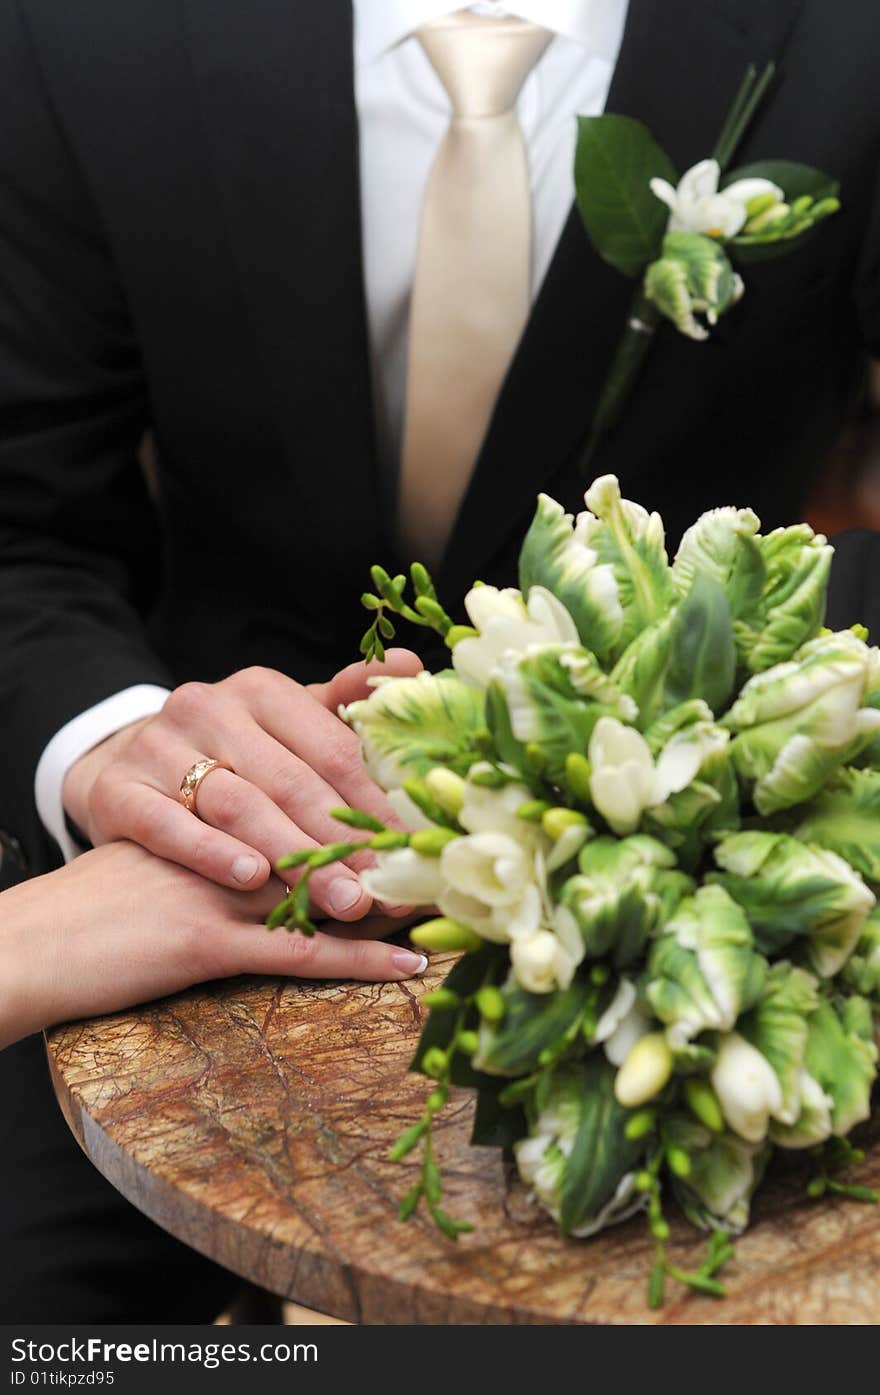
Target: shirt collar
[(597, 24)]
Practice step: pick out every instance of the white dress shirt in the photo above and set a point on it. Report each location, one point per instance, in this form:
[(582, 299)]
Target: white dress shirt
[(403, 111)]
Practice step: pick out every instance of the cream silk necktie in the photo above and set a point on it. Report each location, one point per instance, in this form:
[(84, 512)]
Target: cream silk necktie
[(471, 290)]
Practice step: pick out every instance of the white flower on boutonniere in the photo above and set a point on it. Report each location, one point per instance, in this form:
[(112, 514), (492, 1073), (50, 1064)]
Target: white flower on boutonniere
[(680, 237), (506, 623), (698, 206)]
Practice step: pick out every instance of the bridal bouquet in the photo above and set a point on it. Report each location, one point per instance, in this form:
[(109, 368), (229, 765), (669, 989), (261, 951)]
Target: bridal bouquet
[(645, 800)]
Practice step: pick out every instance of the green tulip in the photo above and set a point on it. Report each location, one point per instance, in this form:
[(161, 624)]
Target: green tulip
[(842, 1058), (703, 970), (410, 725), (692, 277), (794, 724), (623, 892), (789, 889)]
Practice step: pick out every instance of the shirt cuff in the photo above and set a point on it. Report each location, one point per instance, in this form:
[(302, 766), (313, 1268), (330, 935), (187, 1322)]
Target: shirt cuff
[(73, 740)]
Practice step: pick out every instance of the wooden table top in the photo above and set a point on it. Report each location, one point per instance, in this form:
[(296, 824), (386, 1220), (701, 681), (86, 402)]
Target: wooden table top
[(252, 1119)]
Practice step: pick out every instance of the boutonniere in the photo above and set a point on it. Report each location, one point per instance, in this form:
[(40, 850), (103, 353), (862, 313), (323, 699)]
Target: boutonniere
[(683, 239)]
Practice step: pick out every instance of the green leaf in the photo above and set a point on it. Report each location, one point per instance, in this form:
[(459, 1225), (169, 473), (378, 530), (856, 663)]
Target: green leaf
[(602, 1153), (496, 1126), (702, 660), (532, 1022), (615, 160), (467, 975)]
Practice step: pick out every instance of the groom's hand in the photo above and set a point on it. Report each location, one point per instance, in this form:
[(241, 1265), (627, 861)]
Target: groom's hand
[(293, 761)]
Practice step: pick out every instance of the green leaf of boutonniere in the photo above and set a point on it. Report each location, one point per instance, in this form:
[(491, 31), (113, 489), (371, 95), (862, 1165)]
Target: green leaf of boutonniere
[(615, 161)]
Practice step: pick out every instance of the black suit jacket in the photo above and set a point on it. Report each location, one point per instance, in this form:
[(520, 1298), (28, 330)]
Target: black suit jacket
[(180, 250)]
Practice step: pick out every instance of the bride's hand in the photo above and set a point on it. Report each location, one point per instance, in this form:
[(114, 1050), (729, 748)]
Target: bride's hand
[(118, 926)]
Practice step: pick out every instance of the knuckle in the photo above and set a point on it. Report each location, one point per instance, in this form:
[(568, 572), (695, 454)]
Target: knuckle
[(189, 702), (252, 679), (361, 956), (227, 805), (339, 761), (287, 786), (142, 823), (103, 802), (305, 954)]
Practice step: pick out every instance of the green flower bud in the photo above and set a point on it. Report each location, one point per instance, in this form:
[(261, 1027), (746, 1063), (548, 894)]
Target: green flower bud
[(456, 633), (435, 1062), (443, 999), (447, 788), (468, 1042), (577, 777), (490, 1004), (759, 203), (703, 1104), (444, 933), (679, 1161), (556, 821), (533, 810), (639, 1126), (388, 840), (430, 842)]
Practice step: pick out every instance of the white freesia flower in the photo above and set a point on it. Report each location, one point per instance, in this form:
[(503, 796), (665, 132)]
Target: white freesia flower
[(747, 1087), (630, 1028), (619, 1007), (491, 867), (541, 962), (404, 877), (624, 780), (500, 924), (410, 814), (507, 623), (698, 206), (486, 810)]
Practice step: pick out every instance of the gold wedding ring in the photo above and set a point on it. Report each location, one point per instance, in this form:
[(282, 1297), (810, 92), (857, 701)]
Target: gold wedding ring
[(189, 785)]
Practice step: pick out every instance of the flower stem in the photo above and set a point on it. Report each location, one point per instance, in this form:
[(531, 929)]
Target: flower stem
[(626, 365), (745, 104)]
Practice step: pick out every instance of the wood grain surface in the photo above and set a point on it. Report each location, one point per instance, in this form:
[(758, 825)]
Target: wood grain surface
[(253, 1119)]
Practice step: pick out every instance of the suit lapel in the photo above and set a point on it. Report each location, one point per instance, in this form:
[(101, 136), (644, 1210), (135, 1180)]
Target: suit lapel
[(276, 90), (680, 64)]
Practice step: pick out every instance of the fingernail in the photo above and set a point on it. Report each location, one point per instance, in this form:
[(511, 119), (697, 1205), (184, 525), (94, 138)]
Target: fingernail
[(244, 869), (344, 893), (409, 963)]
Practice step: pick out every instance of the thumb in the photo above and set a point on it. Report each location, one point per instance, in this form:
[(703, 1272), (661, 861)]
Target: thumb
[(350, 684)]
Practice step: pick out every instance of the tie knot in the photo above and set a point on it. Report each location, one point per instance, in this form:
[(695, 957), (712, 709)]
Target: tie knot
[(481, 61)]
